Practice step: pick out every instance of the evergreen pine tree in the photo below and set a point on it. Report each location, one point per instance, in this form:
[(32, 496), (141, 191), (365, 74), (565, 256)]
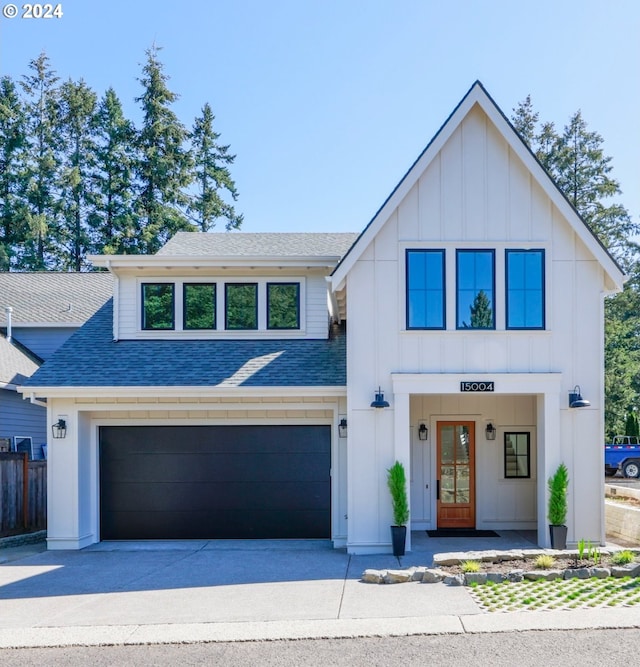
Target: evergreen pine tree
[(42, 114), (481, 313), (112, 221), (163, 164), (211, 176), (77, 105), (12, 174)]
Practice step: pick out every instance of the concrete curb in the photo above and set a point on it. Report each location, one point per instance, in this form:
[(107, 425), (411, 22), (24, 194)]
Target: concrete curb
[(129, 635)]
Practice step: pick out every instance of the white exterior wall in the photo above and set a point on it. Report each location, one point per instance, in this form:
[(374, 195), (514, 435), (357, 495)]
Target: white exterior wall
[(476, 193), (314, 319), (73, 503)]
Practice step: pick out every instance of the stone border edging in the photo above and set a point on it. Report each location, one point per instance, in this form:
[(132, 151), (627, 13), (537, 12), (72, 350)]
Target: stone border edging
[(23, 538), (434, 574)]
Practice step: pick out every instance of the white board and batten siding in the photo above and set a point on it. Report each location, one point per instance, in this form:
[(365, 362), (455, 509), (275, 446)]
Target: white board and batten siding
[(314, 318), (476, 193)]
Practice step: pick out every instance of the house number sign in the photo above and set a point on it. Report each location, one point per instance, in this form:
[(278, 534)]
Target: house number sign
[(476, 386)]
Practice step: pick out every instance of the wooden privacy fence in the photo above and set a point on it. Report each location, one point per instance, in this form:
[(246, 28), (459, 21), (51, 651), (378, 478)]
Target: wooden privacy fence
[(23, 494)]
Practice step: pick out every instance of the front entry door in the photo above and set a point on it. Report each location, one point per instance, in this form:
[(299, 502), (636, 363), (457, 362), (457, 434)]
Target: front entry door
[(456, 475)]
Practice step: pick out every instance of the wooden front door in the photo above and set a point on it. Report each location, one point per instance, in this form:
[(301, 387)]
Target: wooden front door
[(456, 475)]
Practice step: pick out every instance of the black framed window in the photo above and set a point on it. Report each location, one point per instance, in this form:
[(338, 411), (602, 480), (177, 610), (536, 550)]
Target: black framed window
[(283, 305), (517, 455), (525, 289), (425, 289), (199, 306), (158, 306), (241, 305), (475, 304)]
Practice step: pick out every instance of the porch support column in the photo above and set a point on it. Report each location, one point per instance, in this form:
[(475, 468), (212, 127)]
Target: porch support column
[(402, 444), (549, 457)]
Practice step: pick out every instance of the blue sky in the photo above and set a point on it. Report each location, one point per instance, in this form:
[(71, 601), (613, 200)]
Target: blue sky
[(326, 103)]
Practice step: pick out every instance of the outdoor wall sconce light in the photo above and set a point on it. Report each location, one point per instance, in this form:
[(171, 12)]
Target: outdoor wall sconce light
[(379, 401), (490, 431), (423, 432), (342, 428), (576, 400), (59, 429)]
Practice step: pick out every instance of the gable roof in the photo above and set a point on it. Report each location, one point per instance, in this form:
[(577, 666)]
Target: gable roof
[(90, 358), (53, 298), (477, 94), (246, 244), (16, 364)]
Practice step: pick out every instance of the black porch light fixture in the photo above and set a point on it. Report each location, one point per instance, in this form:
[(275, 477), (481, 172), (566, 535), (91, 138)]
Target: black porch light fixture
[(378, 401), (490, 431), (423, 432), (59, 429), (342, 428), (576, 400)]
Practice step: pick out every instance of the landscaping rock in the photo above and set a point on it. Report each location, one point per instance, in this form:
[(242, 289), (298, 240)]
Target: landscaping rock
[(543, 575), (452, 558), (624, 570), (511, 554), (600, 572), (577, 573), (372, 576), (496, 577), (515, 575), (454, 580), (418, 573), (475, 578), (397, 576), (433, 576)]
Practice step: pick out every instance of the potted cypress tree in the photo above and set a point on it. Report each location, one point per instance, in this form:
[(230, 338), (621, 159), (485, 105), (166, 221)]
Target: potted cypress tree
[(397, 483), (558, 484)]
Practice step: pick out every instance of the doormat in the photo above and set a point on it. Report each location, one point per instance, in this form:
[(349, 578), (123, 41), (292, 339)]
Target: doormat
[(461, 532)]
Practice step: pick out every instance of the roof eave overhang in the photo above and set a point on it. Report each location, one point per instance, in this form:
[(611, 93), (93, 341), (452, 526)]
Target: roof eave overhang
[(477, 95), (184, 391), (116, 263)]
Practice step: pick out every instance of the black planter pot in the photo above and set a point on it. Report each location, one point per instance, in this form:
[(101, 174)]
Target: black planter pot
[(398, 540), (558, 537)]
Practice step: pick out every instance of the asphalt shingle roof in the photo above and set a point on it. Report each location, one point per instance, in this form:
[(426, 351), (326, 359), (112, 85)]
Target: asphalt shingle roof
[(243, 244), (90, 358), (52, 297), (15, 364)]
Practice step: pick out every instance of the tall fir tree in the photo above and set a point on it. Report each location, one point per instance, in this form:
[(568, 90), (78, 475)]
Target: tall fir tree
[(163, 163), (42, 115), (76, 128), (481, 312), (212, 176), (13, 140), (113, 222), (576, 161)]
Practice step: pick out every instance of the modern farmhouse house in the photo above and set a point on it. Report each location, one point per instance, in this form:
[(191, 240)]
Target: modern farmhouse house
[(260, 385)]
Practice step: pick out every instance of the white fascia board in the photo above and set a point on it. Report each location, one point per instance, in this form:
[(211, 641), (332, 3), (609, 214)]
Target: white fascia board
[(183, 392), (48, 325), (140, 262), (477, 95)]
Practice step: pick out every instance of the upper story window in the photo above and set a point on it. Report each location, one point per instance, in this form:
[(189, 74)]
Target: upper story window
[(525, 289), (241, 305), (475, 273), (283, 305), (425, 289), (158, 306), (199, 311)]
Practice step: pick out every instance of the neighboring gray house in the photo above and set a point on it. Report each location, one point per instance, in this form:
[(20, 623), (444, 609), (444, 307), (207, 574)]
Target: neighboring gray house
[(38, 312)]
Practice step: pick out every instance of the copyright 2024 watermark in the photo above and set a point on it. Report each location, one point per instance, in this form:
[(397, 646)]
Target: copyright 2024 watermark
[(32, 11)]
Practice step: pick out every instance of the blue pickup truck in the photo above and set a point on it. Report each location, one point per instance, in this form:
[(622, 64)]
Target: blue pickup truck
[(623, 454)]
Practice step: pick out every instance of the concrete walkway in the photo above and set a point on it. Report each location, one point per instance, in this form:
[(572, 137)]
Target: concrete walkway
[(160, 592)]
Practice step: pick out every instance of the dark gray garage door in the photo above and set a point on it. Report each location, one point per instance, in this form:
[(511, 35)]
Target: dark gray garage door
[(198, 482)]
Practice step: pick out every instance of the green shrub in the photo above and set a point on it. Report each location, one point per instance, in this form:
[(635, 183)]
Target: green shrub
[(397, 483), (545, 561), (623, 557), (470, 566), (558, 484)]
